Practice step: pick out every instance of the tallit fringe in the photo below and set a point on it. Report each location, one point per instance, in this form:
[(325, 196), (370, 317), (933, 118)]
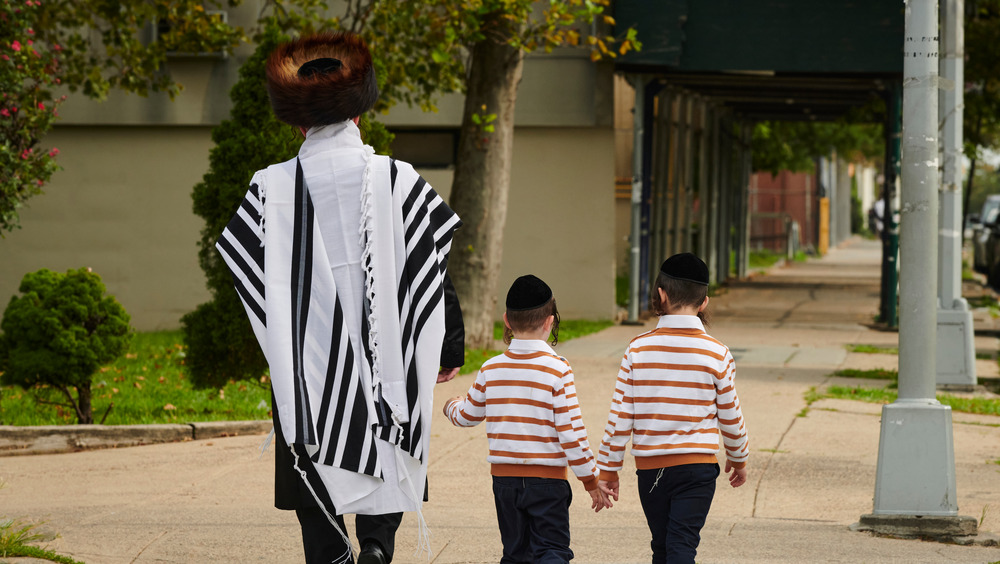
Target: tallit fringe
[(261, 195), (368, 243), (349, 554), (423, 531), (266, 443)]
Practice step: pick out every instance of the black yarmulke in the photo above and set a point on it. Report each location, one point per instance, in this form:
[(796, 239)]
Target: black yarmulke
[(687, 267), (324, 65), (528, 292)]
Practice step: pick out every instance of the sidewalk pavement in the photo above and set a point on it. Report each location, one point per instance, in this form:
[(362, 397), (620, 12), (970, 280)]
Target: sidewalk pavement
[(812, 467)]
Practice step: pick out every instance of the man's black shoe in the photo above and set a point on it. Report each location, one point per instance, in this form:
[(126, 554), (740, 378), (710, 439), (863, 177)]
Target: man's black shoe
[(372, 554)]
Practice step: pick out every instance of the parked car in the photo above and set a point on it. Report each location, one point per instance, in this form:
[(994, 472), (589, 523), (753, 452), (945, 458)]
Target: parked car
[(986, 239)]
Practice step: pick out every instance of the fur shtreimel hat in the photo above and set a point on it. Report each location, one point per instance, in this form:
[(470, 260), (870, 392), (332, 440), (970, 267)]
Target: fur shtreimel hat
[(321, 79), (528, 292), (687, 267)]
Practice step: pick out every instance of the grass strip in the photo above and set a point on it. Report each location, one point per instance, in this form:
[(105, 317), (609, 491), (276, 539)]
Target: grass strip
[(15, 536), (872, 374), (150, 385), (976, 405), (568, 328), (872, 349)]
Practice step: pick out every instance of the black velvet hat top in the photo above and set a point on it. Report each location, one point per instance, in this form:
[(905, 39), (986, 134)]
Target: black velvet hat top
[(687, 267), (528, 292)]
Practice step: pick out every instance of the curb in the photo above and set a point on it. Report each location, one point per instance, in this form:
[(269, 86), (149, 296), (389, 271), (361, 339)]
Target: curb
[(53, 439)]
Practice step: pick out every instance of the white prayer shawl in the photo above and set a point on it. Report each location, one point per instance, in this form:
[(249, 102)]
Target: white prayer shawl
[(352, 376)]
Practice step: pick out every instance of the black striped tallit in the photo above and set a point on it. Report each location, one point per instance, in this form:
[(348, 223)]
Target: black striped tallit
[(339, 428)]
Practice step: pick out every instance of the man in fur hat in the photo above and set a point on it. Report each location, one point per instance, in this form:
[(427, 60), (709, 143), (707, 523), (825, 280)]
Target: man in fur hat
[(360, 320)]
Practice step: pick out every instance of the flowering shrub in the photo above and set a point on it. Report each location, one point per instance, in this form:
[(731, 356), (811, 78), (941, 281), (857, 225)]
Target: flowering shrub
[(29, 68)]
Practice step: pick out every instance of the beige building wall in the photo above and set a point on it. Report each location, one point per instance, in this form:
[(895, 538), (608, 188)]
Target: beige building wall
[(560, 217), (122, 206)]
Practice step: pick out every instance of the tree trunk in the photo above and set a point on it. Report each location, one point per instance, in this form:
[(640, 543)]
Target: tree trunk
[(972, 174), (482, 176), (85, 411), (968, 191)]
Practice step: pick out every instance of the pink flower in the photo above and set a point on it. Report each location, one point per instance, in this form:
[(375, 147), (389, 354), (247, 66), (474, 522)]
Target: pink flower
[(4, 112), (40, 183), (53, 152), (31, 31), (41, 106), (4, 57), (30, 42), (16, 45), (56, 47), (25, 154)]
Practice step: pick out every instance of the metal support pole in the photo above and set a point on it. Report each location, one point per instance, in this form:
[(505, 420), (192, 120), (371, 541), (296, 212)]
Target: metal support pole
[(890, 231), (689, 149), (918, 225), (677, 177), (916, 458), (725, 217), (635, 237), (746, 170), (713, 229), (956, 353), (660, 165), (704, 187)]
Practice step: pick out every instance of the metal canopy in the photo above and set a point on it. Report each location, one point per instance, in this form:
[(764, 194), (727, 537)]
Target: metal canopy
[(769, 59)]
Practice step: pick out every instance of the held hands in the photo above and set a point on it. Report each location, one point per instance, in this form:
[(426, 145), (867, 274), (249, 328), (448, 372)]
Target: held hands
[(609, 489), (445, 374), (739, 475), (599, 500)]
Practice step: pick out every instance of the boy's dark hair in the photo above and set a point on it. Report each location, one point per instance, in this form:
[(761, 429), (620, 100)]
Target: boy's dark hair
[(680, 293), (532, 319)]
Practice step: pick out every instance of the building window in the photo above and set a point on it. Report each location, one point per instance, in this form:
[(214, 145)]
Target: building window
[(426, 148)]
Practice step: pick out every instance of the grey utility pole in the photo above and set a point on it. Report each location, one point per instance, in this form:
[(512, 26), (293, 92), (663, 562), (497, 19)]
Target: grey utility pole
[(915, 481), (956, 352)]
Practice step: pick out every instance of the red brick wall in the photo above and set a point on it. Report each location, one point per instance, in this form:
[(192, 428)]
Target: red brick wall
[(792, 193)]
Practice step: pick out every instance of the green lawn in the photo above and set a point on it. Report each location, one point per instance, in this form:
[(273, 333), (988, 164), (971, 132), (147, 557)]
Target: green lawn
[(18, 538), (150, 385), (983, 406)]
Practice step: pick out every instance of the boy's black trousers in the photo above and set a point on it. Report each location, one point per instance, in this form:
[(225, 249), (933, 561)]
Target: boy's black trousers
[(533, 514), (676, 501)]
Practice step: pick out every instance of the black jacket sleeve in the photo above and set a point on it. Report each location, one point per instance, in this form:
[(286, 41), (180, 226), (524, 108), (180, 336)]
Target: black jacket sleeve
[(453, 348)]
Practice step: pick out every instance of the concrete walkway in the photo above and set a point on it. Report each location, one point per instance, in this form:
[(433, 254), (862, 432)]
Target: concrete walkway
[(812, 467)]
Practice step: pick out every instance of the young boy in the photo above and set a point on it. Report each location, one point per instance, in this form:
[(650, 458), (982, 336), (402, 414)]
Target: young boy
[(528, 399), (674, 395)]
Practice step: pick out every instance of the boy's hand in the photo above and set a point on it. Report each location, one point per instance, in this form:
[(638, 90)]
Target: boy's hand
[(599, 500), (739, 475), (448, 403), (610, 489)]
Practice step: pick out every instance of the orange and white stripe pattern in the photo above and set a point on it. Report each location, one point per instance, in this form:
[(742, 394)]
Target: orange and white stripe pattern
[(674, 395), (533, 422)]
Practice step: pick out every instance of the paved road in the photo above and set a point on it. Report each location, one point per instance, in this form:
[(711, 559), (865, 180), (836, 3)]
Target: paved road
[(811, 476)]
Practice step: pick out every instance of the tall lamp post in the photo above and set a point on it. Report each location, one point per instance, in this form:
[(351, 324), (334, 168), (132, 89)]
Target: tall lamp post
[(915, 489)]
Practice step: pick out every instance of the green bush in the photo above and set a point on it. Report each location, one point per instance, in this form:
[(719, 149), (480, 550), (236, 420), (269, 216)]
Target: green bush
[(59, 332), (221, 343)]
